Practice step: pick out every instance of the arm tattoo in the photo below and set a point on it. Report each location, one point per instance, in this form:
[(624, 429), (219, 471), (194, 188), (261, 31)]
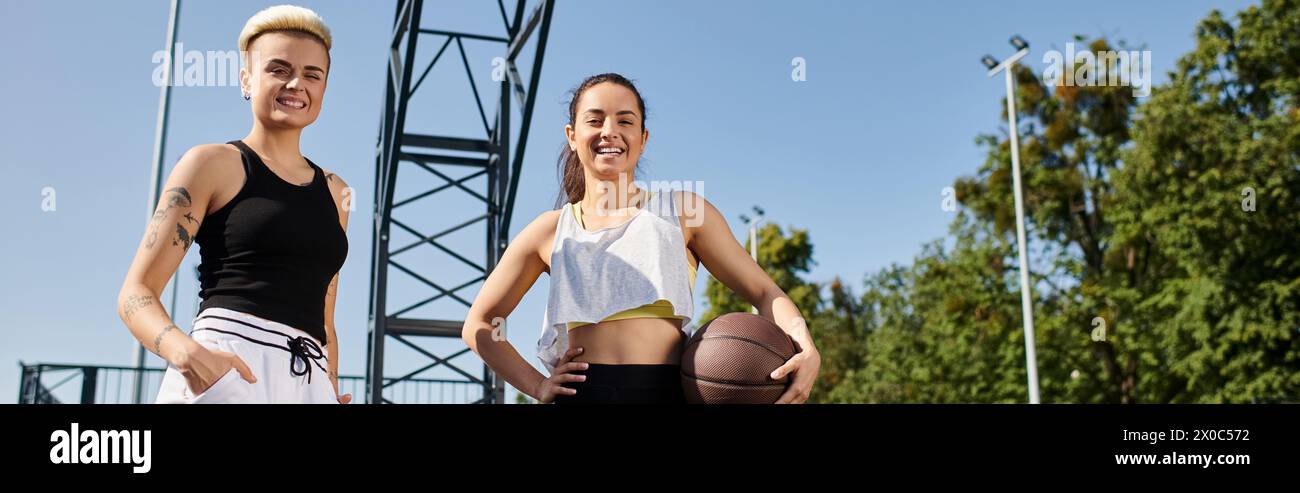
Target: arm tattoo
[(133, 304), (182, 238), (157, 341), (179, 197), (329, 176), (153, 227), (175, 198)]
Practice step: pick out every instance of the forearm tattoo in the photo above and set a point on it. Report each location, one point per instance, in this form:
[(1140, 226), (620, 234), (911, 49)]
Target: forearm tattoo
[(175, 198), (157, 341), (133, 304)]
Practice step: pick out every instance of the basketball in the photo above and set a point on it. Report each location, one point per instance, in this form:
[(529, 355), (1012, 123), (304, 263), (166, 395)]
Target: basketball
[(730, 360)]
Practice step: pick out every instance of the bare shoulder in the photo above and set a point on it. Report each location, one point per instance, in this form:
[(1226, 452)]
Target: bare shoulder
[(541, 229), (209, 160), (538, 237), (693, 209), (210, 151), (689, 203), (208, 173)]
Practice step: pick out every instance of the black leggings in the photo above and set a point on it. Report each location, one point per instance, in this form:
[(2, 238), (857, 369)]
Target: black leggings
[(626, 384)]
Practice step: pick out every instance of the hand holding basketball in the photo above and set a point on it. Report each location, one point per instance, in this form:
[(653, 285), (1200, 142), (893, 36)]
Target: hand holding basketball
[(803, 366), (741, 358)]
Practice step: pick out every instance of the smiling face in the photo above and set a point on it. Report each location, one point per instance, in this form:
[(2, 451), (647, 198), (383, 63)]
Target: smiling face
[(285, 75), (607, 132)]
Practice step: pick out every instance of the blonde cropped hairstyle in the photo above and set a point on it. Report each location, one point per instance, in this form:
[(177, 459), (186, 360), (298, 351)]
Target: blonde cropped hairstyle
[(284, 18)]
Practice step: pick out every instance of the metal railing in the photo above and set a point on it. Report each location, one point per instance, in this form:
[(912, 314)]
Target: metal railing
[(44, 383)]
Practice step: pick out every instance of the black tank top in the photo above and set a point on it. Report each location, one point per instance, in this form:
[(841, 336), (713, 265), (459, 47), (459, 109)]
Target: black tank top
[(273, 250)]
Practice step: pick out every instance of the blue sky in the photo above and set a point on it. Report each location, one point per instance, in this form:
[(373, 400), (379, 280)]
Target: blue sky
[(857, 154)]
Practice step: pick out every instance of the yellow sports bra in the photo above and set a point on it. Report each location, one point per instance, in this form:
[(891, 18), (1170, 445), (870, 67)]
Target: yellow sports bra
[(659, 309)]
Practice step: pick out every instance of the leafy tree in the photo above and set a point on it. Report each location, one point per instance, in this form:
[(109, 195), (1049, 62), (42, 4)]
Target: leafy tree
[(1139, 218), (1173, 221), (786, 259)]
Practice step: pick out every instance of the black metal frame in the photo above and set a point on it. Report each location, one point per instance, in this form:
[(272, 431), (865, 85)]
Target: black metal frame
[(396, 146), (91, 384)]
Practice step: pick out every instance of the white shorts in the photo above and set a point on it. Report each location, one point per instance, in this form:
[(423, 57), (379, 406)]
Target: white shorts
[(290, 365)]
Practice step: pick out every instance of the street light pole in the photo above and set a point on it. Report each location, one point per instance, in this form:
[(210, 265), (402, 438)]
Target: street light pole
[(1026, 301)]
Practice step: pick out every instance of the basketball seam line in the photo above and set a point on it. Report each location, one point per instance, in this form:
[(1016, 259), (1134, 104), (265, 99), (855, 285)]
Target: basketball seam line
[(751, 341), (732, 382)]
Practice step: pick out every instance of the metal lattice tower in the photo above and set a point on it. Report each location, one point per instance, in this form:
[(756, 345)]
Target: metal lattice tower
[(496, 156)]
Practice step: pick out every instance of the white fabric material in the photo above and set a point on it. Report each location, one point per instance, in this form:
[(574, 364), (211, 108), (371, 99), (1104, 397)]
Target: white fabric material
[(595, 274), (276, 384)]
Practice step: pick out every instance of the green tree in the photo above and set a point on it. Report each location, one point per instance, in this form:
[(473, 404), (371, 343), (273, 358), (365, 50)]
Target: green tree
[(785, 259), (840, 328), (1206, 277), (1173, 222), (1072, 138), (1135, 214), (942, 329)]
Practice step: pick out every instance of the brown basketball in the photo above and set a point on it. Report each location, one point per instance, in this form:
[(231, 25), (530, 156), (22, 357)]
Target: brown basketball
[(730, 360)]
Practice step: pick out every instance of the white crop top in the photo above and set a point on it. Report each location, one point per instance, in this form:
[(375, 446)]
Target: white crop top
[(595, 274)]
